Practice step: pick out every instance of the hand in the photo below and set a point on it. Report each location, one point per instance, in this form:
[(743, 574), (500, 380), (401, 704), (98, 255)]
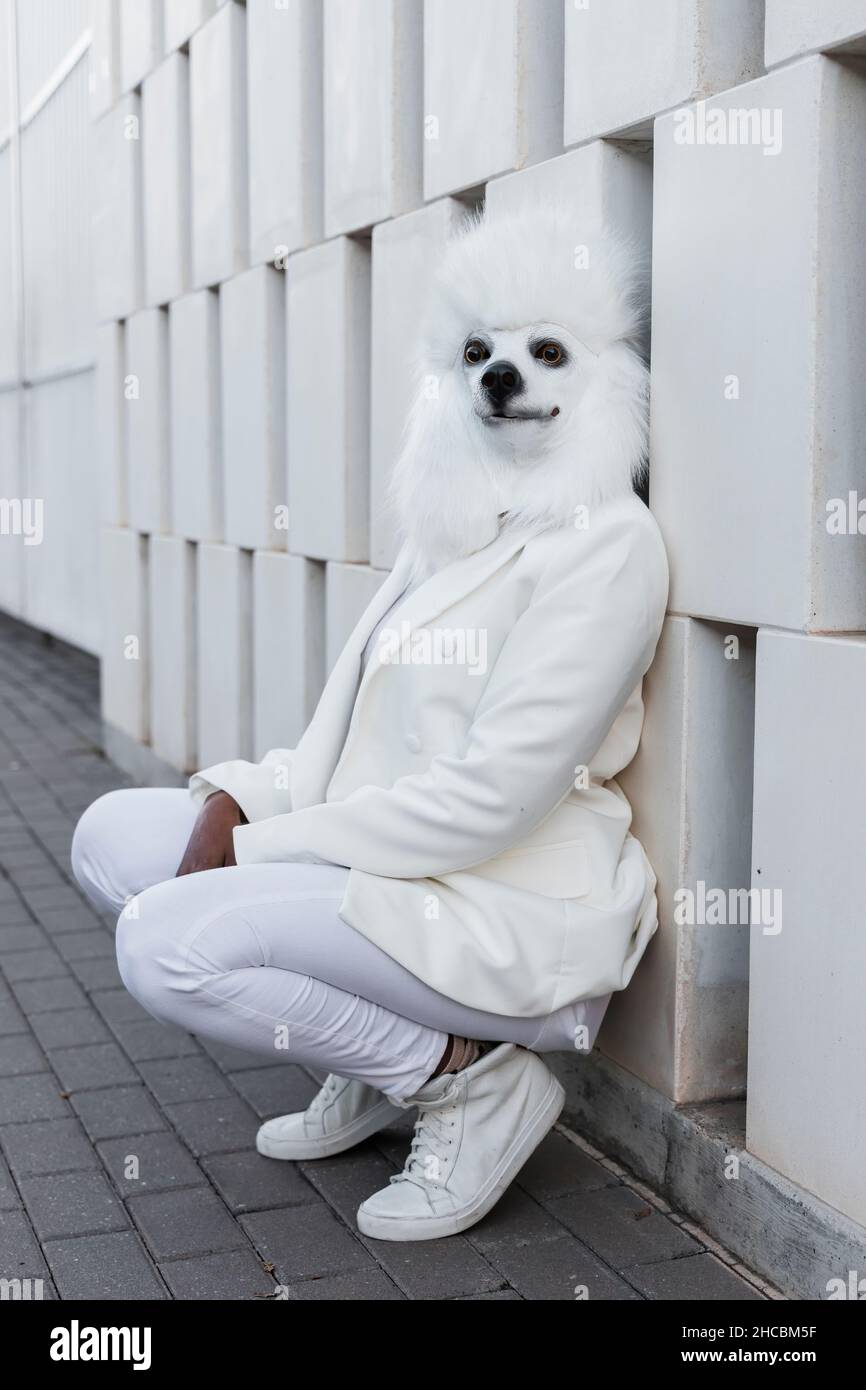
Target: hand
[(211, 845)]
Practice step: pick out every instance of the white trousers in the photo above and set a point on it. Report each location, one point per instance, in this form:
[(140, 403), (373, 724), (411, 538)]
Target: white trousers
[(259, 957)]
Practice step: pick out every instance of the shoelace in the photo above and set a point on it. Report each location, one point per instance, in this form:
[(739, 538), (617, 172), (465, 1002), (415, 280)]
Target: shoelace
[(432, 1139), (326, 1093)]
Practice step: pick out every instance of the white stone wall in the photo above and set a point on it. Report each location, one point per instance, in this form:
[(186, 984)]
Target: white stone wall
[(272, 182)]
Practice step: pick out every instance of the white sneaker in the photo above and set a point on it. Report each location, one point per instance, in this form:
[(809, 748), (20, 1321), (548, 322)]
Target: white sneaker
[(338, 1117), (475, 1130)]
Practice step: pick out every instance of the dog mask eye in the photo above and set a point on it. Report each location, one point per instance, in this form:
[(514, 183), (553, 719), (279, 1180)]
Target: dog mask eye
[(550, 353), (475, 352)]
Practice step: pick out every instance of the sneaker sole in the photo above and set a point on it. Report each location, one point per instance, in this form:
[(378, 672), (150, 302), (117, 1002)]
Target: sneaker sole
[(436, 1227), (337, 1143)]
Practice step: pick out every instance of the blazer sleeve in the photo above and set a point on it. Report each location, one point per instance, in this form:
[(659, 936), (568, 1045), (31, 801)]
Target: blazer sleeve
[(564, 673), (262, 790)]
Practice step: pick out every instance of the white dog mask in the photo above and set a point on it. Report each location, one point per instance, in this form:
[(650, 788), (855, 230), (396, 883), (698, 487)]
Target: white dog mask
[(531, 393)]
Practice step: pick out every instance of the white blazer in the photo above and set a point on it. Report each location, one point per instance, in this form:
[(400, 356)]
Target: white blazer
[(488, 843)]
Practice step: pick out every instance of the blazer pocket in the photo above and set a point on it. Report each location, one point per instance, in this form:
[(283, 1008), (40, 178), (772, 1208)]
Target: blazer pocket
[(560, 870)]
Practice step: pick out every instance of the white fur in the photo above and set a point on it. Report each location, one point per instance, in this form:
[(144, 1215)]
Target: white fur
[(456, 474)]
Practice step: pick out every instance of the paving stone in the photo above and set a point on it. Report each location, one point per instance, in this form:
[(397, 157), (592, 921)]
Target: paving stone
[(84, 945), (68, 1204), (695, 1278), (117, 1111), (47, 1146), (100, 973), (424, 1269), (367, 1285), (46, 996), (148, 1040), (104, 1267), (275, 1091), (118, 1006), (24, 937), (15, 917), (11, 1019), (190, 1222), (236, 1274), (69, 1028), (559, 1167), (305, 1242), (347, 1180), (555, 1270), (177, 1079), (96, 1065), (39, 899), (517, 1219), (163, 1163), (9, 1199), (42, 964), (621, 1227), (214, 1126), (64, 921), (248, 1182), (21, 1055), (24, 1098), (21, 1257)]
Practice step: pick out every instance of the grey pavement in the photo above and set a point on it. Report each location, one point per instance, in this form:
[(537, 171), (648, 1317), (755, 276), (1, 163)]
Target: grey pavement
[(128, 1166)]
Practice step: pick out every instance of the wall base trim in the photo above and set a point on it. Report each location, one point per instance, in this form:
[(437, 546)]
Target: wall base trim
[(138, 760), (779, 1230)]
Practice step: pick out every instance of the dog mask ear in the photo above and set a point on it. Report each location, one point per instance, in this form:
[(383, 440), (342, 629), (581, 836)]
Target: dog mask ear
[(443, 489)]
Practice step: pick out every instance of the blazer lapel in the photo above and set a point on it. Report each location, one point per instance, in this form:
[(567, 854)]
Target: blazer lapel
[(422, 606), (320, 745)]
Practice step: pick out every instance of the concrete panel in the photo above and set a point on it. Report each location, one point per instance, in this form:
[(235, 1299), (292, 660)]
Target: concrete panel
[(182, 18), (56, 232), (224, 655), (166, 179), (373, 117), (218, 131), (253, 383), (404, 251), (759, 350), (109, 423), (626, 61), (492, 89), (104, 79), (62, 580), (146, 424), (195, 445), (807, 1025), (9, 365), (348, 590), (11, 487), (288, 647), (681, 1024), (284, 86), (603, 183), (171, 577), (124, 646), (118, 242), (140, 40), (796, 27), (328, 400)]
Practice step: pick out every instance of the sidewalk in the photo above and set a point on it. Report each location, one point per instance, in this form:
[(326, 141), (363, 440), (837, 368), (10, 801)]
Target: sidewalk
[(130, 1170)]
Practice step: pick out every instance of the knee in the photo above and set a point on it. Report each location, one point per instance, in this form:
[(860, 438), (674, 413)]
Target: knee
[(173, 939), (90, 852), (150, 955)]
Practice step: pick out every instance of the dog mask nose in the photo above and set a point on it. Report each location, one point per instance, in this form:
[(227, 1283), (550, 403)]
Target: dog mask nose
[(501, 381)]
